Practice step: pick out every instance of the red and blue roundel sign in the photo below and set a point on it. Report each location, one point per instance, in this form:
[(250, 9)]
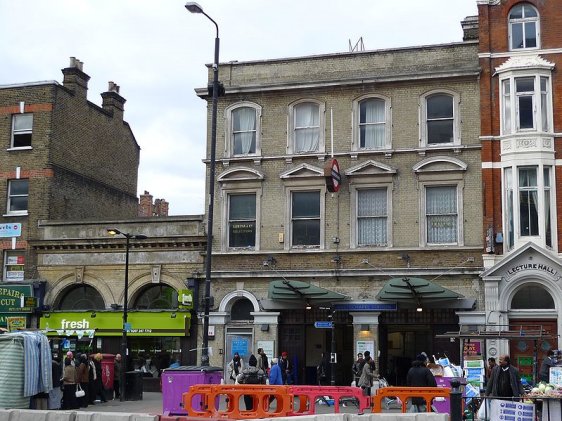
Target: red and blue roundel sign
[(332, 175)]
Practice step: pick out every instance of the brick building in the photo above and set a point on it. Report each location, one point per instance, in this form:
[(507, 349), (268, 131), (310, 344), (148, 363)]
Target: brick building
[(403, 125), (84, 268), (148, 206), (521, 127), (63, 158)]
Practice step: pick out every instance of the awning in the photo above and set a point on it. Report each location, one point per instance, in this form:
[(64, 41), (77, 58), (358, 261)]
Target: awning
[(416, 291), (289, 290)]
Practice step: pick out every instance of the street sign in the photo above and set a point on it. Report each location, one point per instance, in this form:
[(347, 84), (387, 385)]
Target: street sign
[(323, 325)]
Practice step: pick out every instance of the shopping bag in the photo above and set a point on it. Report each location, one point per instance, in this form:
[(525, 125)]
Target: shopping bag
[(79, 391), (484, 411)]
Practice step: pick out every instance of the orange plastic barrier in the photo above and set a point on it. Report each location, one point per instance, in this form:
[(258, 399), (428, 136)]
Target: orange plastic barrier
[(403, 393), (309, 395), (207, 397)]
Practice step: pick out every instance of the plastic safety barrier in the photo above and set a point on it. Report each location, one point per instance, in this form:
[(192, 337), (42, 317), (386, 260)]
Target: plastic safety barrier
[(202, 401), (308, 396), (403, 393)]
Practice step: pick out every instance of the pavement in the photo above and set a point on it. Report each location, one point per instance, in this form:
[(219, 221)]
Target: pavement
[(151, 403)]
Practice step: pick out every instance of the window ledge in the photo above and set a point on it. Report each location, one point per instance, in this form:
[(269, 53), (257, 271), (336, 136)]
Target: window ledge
[(24, 213), (21, 148)]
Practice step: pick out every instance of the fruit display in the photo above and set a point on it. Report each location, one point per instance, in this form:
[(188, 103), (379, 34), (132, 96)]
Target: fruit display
[(544, 389)]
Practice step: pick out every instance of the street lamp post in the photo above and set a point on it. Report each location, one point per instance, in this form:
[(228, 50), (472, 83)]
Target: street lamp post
[(124, 350), (195, 8)]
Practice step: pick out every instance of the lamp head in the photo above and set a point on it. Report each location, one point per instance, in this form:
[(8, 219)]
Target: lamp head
[(113, 231), (193, 7), (419, 309)]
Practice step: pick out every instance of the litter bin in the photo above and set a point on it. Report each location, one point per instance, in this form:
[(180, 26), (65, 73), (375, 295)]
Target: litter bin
[(133, 386), (176, 381)]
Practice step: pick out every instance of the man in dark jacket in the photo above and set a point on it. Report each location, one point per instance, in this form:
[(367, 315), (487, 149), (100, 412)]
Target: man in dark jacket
[(251, 375), (419, 376), (505, 381)]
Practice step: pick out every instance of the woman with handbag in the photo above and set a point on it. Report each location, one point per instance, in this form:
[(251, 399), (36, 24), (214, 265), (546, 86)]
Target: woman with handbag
[(69, 385), (235, 367), (83, 380)]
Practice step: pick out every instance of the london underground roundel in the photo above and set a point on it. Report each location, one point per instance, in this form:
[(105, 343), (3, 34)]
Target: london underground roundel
[(332, 175)]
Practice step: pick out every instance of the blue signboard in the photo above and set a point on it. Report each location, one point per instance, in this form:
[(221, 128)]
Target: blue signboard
[(366, 307), (240, 346), (323, 325), (10, 230)]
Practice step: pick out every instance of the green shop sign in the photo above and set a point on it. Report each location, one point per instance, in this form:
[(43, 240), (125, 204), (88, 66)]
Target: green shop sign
[(11, 298), (5, 316), (101, 323)]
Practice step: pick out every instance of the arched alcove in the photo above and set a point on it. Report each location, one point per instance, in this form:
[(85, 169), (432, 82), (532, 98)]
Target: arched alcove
[(81, 297), (156, 297)]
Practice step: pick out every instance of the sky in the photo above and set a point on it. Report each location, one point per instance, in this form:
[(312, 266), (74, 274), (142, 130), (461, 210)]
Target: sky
[(156, 51)]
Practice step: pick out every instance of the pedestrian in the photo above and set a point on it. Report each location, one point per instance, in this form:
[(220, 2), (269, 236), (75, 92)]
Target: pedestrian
[(92, 382), (69, 385), (286, 367), (117, 376), (263, 363), (99, 392), (357, 368), (549, 361), (235, 367), (55, 394), (368, 374), (419, 376), (505, 381), (251, 375), (275, 377), (490, 367), (83, 374), (323, 371)]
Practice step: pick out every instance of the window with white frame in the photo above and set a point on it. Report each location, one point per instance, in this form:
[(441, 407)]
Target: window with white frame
[(526, 104), (242, 220), (372, 217), (523, 27), (441, 214), (306, 127), (439, 115), (18, 194), (530, 210), (22, 130), (305, 218), (243, 129), (372, 116), (14, 262)]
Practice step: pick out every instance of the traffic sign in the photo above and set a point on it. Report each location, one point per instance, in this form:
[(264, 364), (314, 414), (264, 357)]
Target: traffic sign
[(323, 325)]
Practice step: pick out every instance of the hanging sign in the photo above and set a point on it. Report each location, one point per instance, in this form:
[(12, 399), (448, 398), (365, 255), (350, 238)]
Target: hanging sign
[(332, 175)]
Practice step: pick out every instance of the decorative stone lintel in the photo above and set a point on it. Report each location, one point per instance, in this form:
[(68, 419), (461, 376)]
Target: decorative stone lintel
[(219, 318), (265, 317), (365, 317)]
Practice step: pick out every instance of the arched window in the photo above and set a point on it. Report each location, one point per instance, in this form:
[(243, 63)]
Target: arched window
[(523, 27), (243, 122), (156, 297), (241, 310), (81, 297), (532, 297), (306, 127)]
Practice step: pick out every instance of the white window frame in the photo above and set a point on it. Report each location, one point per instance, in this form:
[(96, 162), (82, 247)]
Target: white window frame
[(291, 127), (522, 21), (510, 122), (226, 193), (229, 133), (7, 255), (513, 205), (15, 132), (356, 116), (10, 196), (456, 119), (459, 185), (289, 219), (354, 190), (228, 220)]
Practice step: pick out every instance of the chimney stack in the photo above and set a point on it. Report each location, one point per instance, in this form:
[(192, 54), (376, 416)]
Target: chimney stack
[(112, 102), (75, 79), (470, 28)]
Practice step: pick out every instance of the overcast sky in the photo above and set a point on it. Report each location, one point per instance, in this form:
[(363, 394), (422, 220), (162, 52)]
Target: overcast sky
[(156, 51)]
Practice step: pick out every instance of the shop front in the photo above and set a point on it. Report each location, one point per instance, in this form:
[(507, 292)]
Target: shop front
[(16, 305), (156, 338)]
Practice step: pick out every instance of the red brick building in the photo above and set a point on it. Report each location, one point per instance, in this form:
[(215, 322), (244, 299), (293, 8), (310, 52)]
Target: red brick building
[(521, 133)]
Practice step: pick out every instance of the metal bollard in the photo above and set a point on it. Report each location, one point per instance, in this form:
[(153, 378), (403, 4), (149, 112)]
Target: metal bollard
[(456, 401)]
